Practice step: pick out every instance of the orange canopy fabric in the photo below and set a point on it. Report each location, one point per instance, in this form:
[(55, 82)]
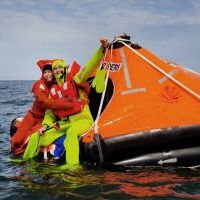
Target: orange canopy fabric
[(145, 99)]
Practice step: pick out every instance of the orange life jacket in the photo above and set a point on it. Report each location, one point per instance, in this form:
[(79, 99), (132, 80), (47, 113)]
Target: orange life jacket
[(40, 90), (68, 89)]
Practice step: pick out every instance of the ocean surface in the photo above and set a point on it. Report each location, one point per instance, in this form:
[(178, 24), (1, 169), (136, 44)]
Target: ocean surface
[(34, 180)]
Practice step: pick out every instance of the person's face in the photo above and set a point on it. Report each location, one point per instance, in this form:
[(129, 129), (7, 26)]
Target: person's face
[(48, 76), (57, 71)]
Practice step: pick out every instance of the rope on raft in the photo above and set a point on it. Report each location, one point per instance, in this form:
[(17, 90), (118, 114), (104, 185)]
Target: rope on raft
[(104, 92)]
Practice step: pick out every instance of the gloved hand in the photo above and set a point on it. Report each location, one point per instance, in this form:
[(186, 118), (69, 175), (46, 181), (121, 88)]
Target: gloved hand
[(104, 42), (42, 130), (85, 86), (99, 81)]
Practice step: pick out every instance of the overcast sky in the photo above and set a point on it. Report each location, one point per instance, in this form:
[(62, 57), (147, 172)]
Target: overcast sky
[(70, 29)]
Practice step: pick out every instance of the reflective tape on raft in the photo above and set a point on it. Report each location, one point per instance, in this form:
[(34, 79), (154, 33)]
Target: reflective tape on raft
[(163, 79), (126, 72), (137, 90)]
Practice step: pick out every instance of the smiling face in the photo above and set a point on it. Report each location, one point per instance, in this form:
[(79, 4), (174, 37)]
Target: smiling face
[(58, 71), (47, 75)]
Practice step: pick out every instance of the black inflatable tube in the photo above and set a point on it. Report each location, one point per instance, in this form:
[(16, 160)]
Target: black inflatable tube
[(147, 142), (180, 157), (158, 136)]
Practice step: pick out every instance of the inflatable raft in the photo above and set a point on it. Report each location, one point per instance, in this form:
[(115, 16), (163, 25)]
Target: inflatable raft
[(149, 113)]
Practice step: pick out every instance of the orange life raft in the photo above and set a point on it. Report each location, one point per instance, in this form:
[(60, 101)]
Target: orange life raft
[(150, 113)]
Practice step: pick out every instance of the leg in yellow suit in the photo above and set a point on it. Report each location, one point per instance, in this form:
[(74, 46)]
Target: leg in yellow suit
[(71, 142), (79, 124), (36, 141)]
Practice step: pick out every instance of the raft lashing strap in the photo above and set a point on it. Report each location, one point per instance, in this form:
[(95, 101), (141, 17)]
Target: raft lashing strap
[(104, 92), (97, 137), (191, 92)]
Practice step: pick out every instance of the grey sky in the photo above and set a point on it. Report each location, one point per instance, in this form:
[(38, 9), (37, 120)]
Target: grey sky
[(70, 29)]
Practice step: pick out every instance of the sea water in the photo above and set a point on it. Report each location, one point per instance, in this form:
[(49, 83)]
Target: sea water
[(43, 180)]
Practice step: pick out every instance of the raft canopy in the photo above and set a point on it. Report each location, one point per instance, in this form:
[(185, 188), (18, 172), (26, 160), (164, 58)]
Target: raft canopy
[(144, 92)]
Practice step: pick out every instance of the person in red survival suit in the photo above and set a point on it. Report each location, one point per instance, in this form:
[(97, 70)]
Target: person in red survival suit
[(33, 118)]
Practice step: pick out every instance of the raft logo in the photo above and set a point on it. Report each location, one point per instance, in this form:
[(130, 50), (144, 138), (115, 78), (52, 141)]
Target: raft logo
[(112, 66)]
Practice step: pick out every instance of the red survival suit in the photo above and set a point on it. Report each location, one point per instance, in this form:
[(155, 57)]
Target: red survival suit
[(33, 118)]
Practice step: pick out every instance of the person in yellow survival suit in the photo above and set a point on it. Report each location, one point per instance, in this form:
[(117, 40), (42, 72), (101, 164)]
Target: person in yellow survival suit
[(75, 121)]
